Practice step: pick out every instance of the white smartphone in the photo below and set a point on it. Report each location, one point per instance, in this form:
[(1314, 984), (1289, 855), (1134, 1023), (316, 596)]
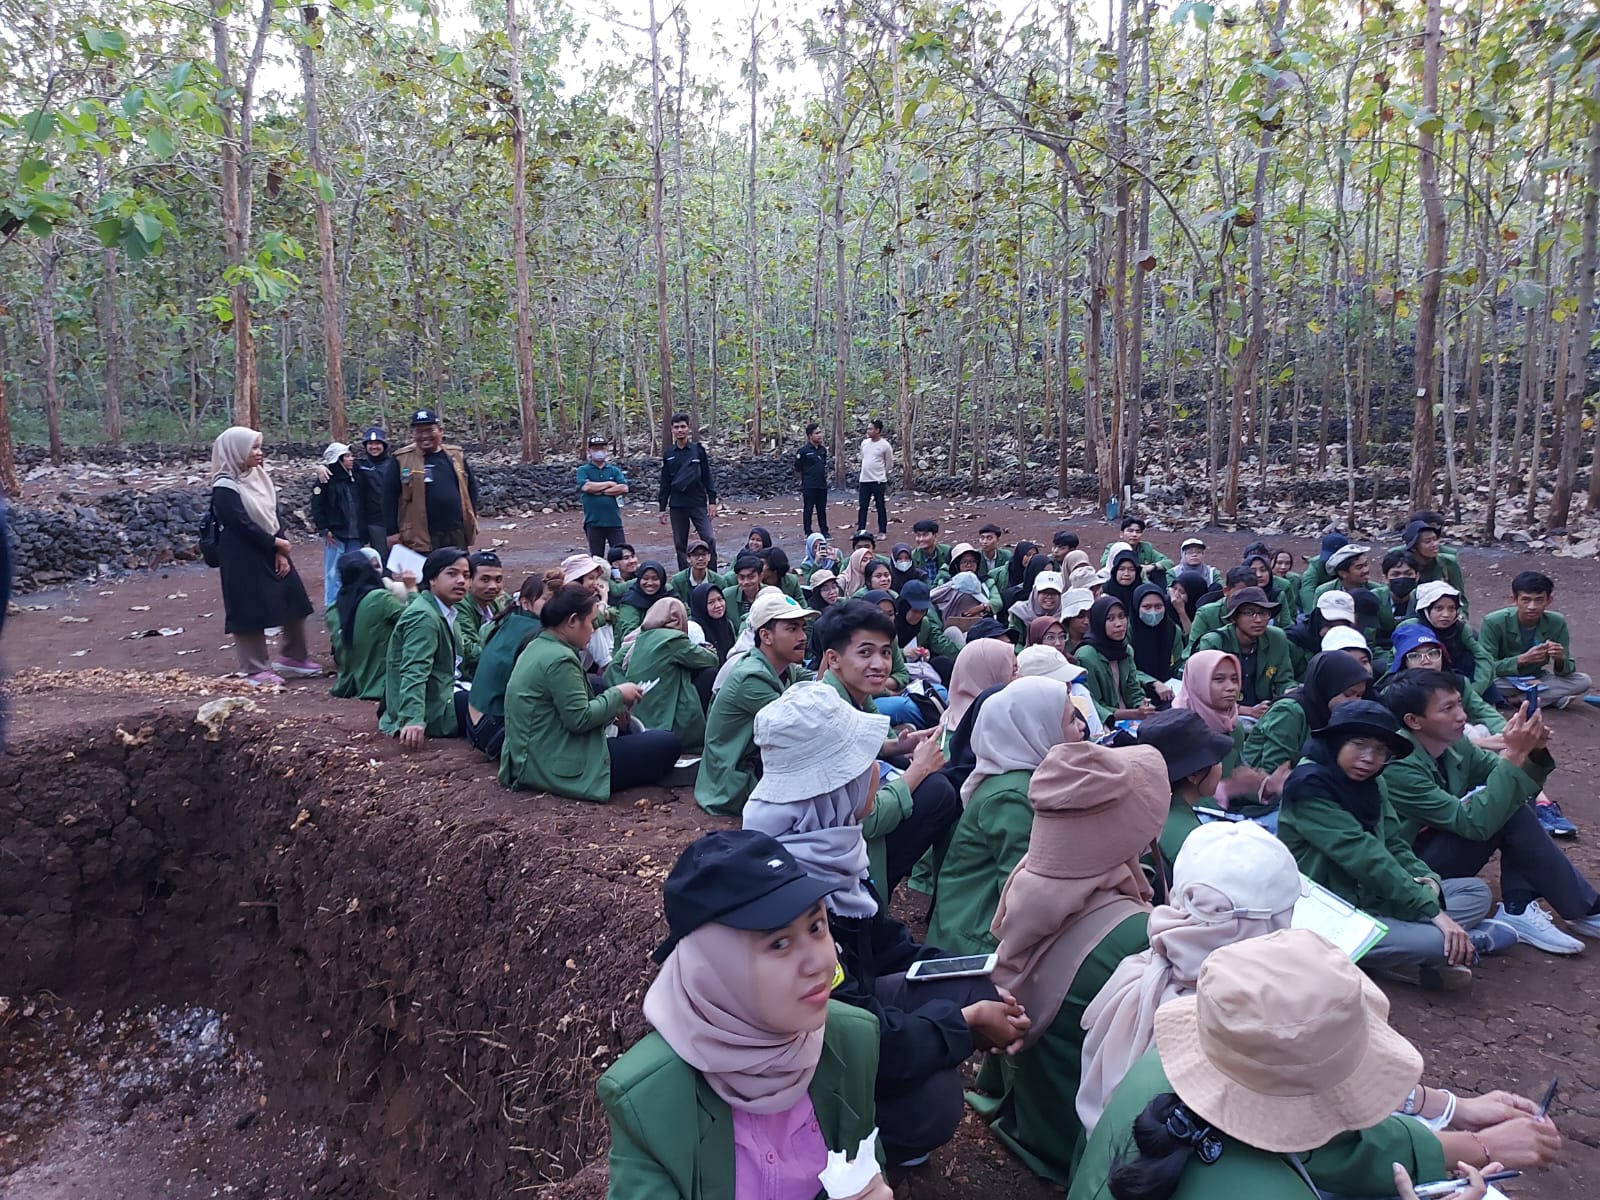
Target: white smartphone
[(952, 968)]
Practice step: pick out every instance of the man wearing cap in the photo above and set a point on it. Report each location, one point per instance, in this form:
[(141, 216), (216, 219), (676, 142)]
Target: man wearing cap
[(378, 483), (1193, 556), (336, 512), (811, 464), (485, 600), (730, 763), (683, 583), (438, 495), (688, 493), (1317, 572), (1209, 618), (1351, 569), (1266, 671), (600, 484)]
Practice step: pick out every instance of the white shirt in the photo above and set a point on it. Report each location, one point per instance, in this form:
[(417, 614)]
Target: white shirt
[(877, 457)]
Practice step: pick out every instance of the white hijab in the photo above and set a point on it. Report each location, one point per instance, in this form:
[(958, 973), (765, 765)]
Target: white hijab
[(1016, 728), (228, 456)]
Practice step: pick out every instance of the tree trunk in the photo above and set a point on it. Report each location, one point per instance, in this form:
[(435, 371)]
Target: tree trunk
[(754, 285), (1571, 411), (46, 320), (677, 207), (8, 456), (1422, 438), (658, 228), (111, 340), (905, 405), (527, 409), (322, 194), (841, 281)]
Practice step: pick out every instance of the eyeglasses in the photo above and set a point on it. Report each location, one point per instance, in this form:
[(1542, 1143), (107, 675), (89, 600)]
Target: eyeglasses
[(1370, 749), (1427, 653)]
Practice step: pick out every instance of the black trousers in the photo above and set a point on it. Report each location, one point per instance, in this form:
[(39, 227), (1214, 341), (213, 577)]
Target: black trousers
[(866, 493), (488, 736), (642, 759), (1531, 865), (814, 500), (935, 809), (681, 520), (917, 1116), (378, 538), (602, 536)]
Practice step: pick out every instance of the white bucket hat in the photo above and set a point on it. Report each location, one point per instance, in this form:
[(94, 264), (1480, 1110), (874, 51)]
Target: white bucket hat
[(812, 742), (575, 566), (334, 452), (1076, 601), (1081, 580), (1433, 591)]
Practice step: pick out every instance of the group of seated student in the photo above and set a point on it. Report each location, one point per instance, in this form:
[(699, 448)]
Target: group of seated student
[(1113, 788)]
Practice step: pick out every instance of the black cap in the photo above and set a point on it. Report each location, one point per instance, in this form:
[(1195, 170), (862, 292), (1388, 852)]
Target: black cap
[(375, 433), (988, 627), (863, 535), (598, 439), (424, 416), (1366, 718), (1185, 741), (735, 877)]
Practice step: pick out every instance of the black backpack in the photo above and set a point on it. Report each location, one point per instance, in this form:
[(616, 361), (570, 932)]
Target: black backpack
[(210, 537)]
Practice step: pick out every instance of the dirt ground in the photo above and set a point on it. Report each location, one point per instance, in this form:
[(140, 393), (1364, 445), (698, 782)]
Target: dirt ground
[(1528, 1016)]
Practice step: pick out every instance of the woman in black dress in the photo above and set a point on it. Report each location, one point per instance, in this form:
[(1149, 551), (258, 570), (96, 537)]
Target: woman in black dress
[(260, 588)]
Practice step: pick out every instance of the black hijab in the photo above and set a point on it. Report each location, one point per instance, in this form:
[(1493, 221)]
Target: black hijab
[(1323, 776), (1327, 674), (759, 531), (904, 631), (901, 578), (1098, 612), (719, 631), (1457, 654), (1152, 644), (1125, 591), (357, 577), (1016, 568), (1195, 586), (634, 597)]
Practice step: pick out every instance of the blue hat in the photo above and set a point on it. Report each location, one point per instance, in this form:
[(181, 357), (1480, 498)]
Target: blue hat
[(1330, 543), (916, 595), (424, 416), (1408, 637), (375, 433), (740, 878)]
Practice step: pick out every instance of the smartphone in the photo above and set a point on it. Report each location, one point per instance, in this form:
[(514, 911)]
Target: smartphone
[(952, 968), (1531, 695)]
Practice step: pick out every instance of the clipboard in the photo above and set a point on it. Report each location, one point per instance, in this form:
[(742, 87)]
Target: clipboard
[(403, 558), (1341, 922)]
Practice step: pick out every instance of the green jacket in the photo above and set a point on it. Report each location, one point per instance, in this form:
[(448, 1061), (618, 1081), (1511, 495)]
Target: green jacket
[(668, 655), (1274, 670), (1278, 736), (1148, 556), (672, 1136), (1103, 687), (1501, 636), (363, 663), (470, 628), (932, 637), (1483, 664), (1386, 621), (625, 618), (891, 806), (1180, 823), (499, 656), (555, 729), (1313, 577), (1468, 791), (1377, 871), (419, 672), (681, 586), (1001, 563), (729, 757), (1207, 619), (988, 841)]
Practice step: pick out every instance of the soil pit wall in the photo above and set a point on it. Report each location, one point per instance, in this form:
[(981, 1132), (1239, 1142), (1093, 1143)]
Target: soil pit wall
[(433, 976)]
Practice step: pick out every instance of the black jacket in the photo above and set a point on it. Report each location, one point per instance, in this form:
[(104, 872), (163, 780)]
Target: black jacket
[(812, 464), (699, 488), (378, 484), (253, 597), (915, 1043), (335, 506)]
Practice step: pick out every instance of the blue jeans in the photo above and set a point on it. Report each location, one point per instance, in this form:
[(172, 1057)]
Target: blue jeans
[(330, 566), (901, 710)]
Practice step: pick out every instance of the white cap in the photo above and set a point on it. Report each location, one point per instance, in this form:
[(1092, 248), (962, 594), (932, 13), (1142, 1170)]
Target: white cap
[(1337, 605), (1187, 542), (792, 729), (1340, 638), (334, 452), (1344, 554), (1076, 601), (1233, 869), (773, 605), (1433, 590), (1048, 662), (1049, 581)]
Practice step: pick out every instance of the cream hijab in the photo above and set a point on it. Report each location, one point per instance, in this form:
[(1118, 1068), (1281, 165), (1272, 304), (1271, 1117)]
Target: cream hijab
[(1017, 727), (701, 1004), (855, 572), (228, 456), (981, 665), (666, 613)]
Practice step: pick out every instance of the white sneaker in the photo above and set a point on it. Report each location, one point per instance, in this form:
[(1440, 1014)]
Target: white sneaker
[(1534, 927), (1587, 926)]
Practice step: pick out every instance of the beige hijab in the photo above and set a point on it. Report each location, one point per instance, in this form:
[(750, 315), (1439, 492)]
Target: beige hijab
[(666, 613), (254, 485), (1017, 727), (1095, 810), (855, 572), (701, 1003)]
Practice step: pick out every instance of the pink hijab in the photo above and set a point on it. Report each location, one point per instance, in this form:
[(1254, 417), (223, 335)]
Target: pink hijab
[(981, 665), (1196, 694), (702, 1004)]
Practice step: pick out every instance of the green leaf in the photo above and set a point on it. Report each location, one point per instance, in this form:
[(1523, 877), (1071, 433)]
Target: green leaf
[(149, 227), (133, 101), (160, 143), (102, 42), (1528, 293), (33, 172), (324, 188), (39, 125), (1203, 14), (109, 231)]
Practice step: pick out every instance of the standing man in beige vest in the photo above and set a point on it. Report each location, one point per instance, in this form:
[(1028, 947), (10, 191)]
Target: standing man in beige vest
[(438, 494)]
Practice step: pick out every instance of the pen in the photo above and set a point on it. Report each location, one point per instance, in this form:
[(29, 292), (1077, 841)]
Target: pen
[(1549, 1096), (1448, 1187)]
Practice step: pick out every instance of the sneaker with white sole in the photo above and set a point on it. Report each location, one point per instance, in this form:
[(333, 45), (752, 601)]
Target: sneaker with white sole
[(1589, 927), (1493, 936), (300, 669), (1534, 927), (1553, 822), (264, 679), (1443, 978)]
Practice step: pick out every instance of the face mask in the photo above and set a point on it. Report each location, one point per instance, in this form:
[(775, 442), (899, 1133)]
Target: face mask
[(597, 457), (903, 563), (1403, 586), (1151, 617)]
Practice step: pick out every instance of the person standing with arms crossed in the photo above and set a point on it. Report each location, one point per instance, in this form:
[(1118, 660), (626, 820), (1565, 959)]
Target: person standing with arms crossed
[(688, 491), (600, 485), (877, 460), (811, 464)]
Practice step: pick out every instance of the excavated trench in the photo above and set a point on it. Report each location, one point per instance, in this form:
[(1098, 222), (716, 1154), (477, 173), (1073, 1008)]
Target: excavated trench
[(420, 977)]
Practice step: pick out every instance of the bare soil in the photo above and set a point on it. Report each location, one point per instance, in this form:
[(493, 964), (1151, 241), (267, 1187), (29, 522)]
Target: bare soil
[(408, 979)]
